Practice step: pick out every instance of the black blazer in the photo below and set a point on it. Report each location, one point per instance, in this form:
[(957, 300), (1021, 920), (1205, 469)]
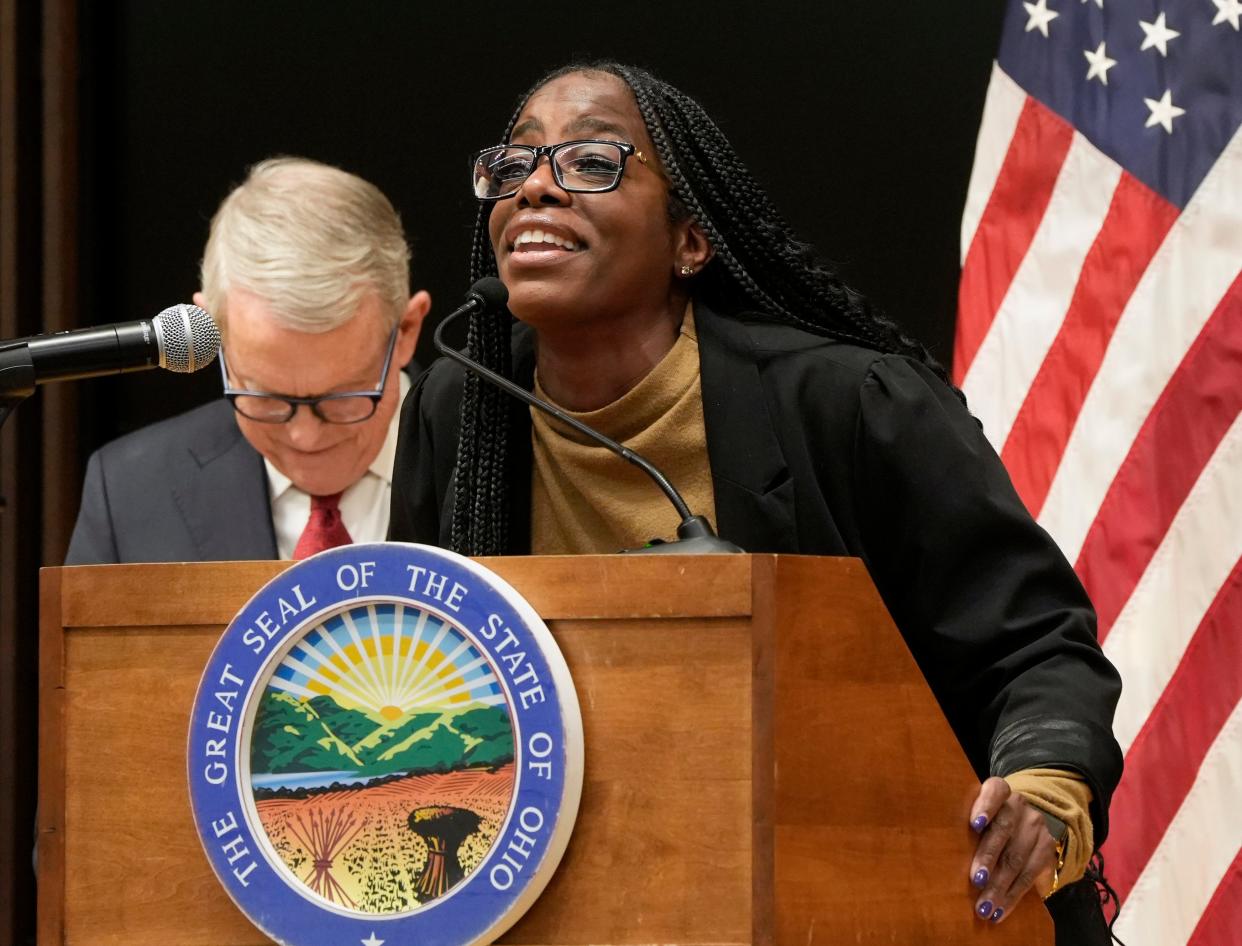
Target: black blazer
[(187, 489), (825, 448)]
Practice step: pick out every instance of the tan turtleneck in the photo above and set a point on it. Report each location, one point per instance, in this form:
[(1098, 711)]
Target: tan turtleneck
[(586, 499)]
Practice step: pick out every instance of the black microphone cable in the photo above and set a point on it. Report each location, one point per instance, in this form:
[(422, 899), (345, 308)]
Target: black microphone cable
[(694, 535)]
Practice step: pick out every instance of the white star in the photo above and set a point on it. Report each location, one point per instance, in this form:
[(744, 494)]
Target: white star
[(1158, 35), (1100, 64), (1230, 10), (1163, 112), (372, 941), (1098, 3), (1041, 16)]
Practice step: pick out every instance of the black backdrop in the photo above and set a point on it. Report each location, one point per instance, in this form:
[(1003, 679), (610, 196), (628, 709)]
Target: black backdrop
[(860, 119)]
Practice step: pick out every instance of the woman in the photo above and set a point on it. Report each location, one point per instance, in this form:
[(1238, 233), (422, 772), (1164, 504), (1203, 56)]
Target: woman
[(664, 300)]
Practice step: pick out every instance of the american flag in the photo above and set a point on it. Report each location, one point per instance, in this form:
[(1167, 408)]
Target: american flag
[(1099, 340)]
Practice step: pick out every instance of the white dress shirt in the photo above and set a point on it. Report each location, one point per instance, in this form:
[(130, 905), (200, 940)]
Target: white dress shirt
[(364, 506)]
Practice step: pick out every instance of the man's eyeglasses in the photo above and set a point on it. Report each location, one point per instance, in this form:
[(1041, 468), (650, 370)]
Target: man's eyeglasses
[(581, 167), (348, 407)]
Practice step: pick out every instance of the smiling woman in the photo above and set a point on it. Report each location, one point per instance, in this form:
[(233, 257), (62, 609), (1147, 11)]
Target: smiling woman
[(662, 299), (603, 292)]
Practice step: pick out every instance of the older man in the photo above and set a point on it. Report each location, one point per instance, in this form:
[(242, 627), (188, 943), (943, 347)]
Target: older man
[(306, 271)]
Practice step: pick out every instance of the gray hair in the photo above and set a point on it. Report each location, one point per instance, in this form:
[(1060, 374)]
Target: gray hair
[(310, 240)]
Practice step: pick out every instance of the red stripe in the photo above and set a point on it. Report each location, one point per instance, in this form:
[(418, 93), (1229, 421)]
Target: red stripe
[(1166, 755), (1138, 220), (1008, 224), (1221, 923), (1187, 423)]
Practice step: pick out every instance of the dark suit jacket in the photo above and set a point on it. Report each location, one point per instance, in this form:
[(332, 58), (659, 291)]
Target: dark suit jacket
[(188, 489), (823, 448)]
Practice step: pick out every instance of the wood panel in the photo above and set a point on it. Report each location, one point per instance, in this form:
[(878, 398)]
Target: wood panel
[(768, 777), (665, 812), (867, 777), (667, 699), (133, 861), (135, 871), (583, 586)]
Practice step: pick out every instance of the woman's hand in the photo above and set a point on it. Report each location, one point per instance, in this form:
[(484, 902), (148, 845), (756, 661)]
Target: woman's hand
[(1015, 849)]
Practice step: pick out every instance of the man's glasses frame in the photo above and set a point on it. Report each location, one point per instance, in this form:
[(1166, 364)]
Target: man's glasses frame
[(551, 151), (314, 403)]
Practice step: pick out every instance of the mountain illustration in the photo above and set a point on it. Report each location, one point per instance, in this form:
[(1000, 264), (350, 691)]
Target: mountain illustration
[(296, 735)]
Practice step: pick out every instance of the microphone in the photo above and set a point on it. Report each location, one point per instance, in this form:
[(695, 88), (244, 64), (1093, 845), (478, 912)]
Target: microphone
[(694, 536), (182, 338)]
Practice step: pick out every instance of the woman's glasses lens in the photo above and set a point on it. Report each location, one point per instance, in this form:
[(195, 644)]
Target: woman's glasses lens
[(590, 166), (581, 166), (501, 171)]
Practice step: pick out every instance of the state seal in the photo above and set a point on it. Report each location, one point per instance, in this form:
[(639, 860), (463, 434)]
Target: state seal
[(385, 745)]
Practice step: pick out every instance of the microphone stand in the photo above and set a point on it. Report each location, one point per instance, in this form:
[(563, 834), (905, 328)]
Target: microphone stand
[(694, 535)]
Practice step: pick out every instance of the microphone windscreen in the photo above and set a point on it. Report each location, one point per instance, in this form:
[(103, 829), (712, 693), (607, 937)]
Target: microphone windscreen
[(491, 291), (188, 338)]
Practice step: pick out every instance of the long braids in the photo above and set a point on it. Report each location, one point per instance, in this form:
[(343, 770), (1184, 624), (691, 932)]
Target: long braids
[(759, 267), (762, 268), (480, 524)]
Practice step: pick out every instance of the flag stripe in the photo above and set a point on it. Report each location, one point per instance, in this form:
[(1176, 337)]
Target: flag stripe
[(1138, 220), (1108, 375), (1010, 219), (1163, 760), (1008, 359), (1001, 111), (1169, 602), (1186, 281), (1183, 429), (1191, 860), (1221, 924)]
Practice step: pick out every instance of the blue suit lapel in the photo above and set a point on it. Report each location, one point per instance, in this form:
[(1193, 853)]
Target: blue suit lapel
[(223, 497)]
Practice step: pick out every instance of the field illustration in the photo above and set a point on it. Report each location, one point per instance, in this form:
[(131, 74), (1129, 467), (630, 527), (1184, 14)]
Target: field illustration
[(381, 758), (355, 847)]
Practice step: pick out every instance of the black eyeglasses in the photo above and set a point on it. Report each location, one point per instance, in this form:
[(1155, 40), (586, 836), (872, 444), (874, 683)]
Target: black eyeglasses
[(581, 167), (348, 407)]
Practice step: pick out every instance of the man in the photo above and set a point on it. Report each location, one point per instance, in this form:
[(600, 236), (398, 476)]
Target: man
[(306, 271)]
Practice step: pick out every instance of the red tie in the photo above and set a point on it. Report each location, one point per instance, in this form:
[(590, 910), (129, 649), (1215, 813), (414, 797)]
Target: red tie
[(324, 529)]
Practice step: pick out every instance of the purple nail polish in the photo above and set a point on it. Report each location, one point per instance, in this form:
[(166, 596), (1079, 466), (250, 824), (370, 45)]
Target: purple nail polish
[(1000, 911), (979, 823), (981, 877), (984, 909)]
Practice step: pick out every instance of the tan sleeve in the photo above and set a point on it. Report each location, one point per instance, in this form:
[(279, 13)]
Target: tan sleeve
[(1067, 796)]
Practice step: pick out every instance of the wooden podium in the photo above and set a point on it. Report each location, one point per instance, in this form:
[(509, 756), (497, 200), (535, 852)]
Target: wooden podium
[(764, 762)]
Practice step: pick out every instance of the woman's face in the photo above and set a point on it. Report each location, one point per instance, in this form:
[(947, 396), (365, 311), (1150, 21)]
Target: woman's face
[(614, 251)]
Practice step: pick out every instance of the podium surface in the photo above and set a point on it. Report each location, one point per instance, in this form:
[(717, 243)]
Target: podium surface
[(764, 763)]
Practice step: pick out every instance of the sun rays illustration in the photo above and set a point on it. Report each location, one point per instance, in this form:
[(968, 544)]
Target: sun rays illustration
[(379, 710), (390, 662)]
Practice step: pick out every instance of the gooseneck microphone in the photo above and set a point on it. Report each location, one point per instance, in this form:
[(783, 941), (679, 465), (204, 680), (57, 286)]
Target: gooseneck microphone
[(182, 338), (694, 536)]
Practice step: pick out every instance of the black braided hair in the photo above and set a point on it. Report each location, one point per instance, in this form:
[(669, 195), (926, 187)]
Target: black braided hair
[(759, 268)]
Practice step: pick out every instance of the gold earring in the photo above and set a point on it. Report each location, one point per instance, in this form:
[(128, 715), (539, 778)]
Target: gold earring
[(687, 270)]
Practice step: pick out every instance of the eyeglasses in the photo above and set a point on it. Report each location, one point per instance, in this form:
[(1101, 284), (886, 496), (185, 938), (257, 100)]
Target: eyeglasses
[(348, 407), (580, 167)]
